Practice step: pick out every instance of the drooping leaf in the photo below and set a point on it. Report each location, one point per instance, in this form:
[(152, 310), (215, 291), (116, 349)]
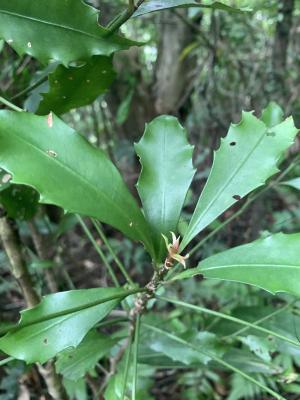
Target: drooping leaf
[(294, 183), (76, 86), (158, 5), (56, 30), (60, 321), (247, 157), (167, 172), (272, 115), (272, 263), (66, 170), (75, 363)]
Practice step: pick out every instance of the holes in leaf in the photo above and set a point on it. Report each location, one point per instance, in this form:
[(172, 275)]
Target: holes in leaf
[(237, 197), (271, 133), (45, 341), (232, 143)]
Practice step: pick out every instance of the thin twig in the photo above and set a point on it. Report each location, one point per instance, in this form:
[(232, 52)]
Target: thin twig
[(117, 22), (9, 104), (98, 250), (99, 229)]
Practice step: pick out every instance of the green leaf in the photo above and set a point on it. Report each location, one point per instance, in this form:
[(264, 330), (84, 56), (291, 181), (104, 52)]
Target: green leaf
[(66, 170), (197, 349), (273, 264), (56, 30), (124, 108), (60, 321), (272, 115), (167, 172), (247, 157), (77, 86), (76, 390), (118, 382), (75, 363), (158, 5), (178, 352), (294, 183), (19, 201), (259, 346)]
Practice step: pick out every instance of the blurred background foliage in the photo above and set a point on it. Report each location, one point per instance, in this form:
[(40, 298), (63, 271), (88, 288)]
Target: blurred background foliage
[(203, 66)]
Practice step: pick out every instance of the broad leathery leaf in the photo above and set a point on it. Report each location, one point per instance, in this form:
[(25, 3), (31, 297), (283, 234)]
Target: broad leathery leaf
[(75, 363), (294, 183), (62, 30), (77, 86), (167, 172), (247, 157), (178, 352), (158, 5), (34, 98), (40, 341), (272, 115), (67, 171), (272, 264)]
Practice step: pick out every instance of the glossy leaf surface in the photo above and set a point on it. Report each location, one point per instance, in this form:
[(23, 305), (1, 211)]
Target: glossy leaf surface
[(178, 352), (247, 157), (272, 115), (167, 172), (73, 364), (272, 264), (62, 30), (294, 183), (40, 341), (76, 86), (66, 170), (158, 5)]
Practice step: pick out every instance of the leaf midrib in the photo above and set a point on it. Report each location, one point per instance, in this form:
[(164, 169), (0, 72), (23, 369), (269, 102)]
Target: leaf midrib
[(227, 183), (99, 193), (41, 21), (248, 265), (59, 320), (81, 178)]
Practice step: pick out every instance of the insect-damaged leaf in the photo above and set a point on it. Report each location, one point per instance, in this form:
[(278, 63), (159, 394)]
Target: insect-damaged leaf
[(167, 172), (272, 264), (76, 86), (247, 157), (67, 171), (62, 30), (40, 341)]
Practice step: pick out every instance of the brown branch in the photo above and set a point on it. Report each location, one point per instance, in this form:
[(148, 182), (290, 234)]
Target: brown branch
[(13, 248), (44, 253)]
